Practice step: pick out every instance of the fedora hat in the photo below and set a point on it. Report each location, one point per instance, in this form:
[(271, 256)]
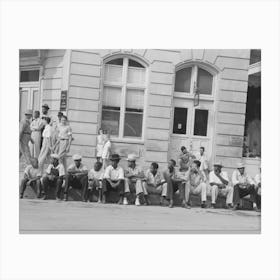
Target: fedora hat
[(115, 157), (77, 157), (46, 106), (55, 156), (131, 157), (28, 112), (240, 165)]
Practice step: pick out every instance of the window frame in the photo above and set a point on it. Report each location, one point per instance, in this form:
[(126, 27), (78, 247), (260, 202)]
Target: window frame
[(194, 73), (124, 86)]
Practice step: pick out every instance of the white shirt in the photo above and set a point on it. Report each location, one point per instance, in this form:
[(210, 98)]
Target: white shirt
[(47, 131), (114, 174), (213, 178), (32, 172), (59, 167), (106, 150), (237, 178), (95, 174), (204, 161)]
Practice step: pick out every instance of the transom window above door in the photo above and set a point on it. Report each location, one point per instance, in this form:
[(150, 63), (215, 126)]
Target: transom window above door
[(123, 98), (194, 79)]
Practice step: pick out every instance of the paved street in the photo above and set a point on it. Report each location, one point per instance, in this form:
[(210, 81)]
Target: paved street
[(39, 216)]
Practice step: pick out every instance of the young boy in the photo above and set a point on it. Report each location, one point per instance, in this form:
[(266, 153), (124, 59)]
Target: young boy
[(32, 175), (95, 177)]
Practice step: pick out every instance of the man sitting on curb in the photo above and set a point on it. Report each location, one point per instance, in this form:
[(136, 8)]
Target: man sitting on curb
[(196, 184), (134, 179), (32, 175), (174, 181), (53, 177), (76, 177), (219, 184), (113, 180), (243, 185), (95, 177), (155, 183)]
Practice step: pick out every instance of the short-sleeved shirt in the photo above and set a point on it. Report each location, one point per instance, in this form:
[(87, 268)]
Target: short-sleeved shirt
[(47, 133), (114, 174), (237, 178), (136, 171), (32, 172), (74, 168), (106, 150), (36, 125), (64, 131), (213, 178), (51, 169), (152, 179), (93, 174)]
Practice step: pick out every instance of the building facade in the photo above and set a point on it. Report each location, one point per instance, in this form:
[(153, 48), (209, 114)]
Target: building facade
[(152, 101)]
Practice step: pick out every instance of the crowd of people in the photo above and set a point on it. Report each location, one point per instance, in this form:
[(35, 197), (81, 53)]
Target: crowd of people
[(44, 138)]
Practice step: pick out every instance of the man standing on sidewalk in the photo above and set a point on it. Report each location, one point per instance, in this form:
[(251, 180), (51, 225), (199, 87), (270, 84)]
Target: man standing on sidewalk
[(243, 185), (219, 184)]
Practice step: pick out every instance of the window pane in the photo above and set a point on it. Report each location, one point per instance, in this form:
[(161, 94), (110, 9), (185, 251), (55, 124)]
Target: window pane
[(113, 73), (136, 75), (204, 81), (135, 99), (112, 96), (180, 120), (183, 80), (200, 122), (135, 64), (29, 76), (133, 124), (117, 61), (111, 120), (255, 56)]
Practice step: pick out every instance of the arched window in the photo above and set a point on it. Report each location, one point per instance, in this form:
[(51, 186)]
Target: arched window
[(123, 97), (194, 78)]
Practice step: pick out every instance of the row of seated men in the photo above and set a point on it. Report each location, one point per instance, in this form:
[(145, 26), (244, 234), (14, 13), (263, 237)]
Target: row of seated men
[(133, 179)]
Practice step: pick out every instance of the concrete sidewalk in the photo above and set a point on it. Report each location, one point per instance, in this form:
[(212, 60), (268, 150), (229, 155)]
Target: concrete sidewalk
[(49, 216)]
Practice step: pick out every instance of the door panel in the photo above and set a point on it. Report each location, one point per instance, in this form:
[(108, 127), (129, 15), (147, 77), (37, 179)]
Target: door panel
[(24, 100), (200, 121), (36, 99)]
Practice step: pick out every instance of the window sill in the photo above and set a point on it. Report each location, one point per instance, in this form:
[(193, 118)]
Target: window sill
[(127, 140), (186, 95)]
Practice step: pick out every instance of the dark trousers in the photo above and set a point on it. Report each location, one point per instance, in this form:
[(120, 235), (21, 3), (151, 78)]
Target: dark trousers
[(106, 187), (173, 186), (36, 184), (76, 182), (56, 182), (239, 192)]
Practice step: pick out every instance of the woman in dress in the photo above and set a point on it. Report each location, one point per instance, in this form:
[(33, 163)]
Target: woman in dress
[(64, 140), (99, 146), (47, 147)]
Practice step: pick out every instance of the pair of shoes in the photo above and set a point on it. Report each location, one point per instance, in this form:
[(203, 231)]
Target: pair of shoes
[(137, 202), (99, 200), (213, 206), (125, 202), (228, 206), (203, 204), (188, 206), (44, 197)]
